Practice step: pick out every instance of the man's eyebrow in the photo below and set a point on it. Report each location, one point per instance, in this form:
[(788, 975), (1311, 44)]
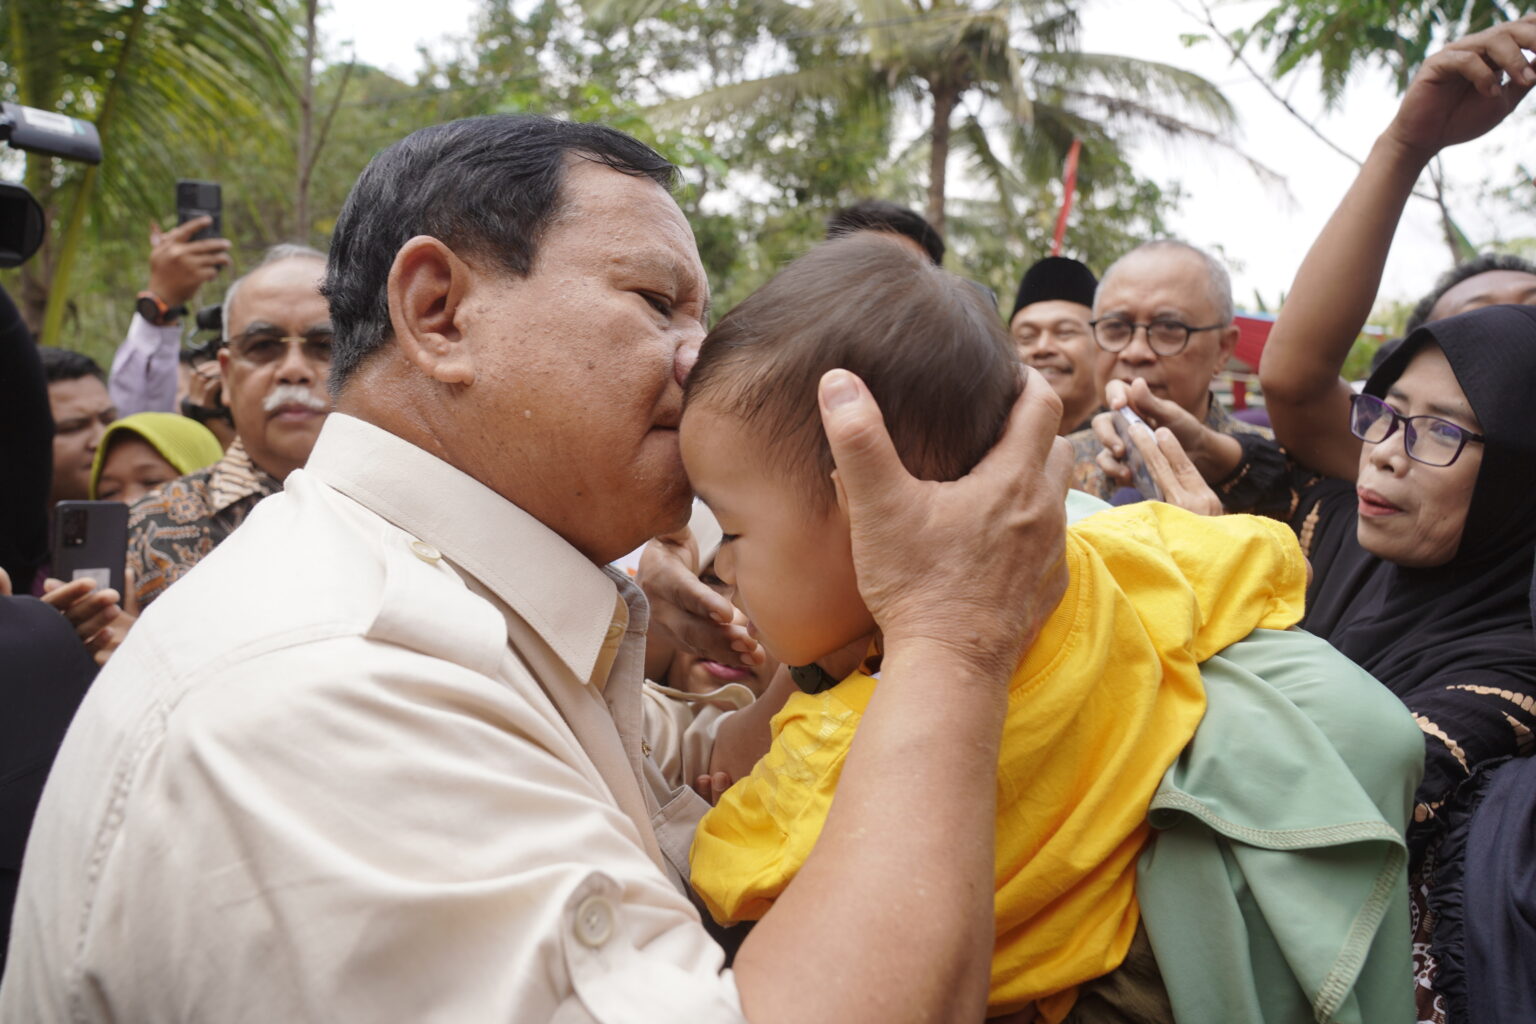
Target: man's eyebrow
[(263, 326)]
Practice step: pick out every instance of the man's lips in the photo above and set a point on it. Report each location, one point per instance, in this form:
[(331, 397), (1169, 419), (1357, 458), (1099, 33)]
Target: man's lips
[(1373, 504), (295, 411)]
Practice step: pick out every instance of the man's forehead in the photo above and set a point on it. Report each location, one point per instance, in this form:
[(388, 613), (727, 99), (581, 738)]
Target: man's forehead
[(1052, 311), (1486, 289), (1167, 279)]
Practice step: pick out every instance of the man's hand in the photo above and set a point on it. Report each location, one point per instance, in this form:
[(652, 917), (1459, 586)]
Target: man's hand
[(1212, 454), (94, 613), (1458, 94), (179, 266), (976, 564), (687, 613)]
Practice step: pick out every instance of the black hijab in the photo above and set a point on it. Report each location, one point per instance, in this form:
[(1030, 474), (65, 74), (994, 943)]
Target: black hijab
[(1466, 623)]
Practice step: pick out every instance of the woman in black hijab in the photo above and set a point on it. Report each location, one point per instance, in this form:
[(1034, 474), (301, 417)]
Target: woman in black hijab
[(1452, 638), (1423, 576)]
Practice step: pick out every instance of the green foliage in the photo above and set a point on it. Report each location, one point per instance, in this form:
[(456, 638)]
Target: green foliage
[(1339, 35), (778, 113)]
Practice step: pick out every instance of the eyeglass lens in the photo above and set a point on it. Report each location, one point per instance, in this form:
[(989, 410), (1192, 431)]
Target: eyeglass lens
[(1429, 439), (270, 348), (1166, 337)]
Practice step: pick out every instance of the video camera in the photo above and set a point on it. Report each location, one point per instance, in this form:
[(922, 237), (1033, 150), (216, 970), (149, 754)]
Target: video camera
[(36, 131)]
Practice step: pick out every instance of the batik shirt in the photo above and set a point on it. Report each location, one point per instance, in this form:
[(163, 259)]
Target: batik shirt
[(174, 528)]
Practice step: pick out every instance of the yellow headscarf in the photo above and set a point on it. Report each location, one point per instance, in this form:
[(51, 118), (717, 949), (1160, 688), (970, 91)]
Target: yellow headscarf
[(184, 443)]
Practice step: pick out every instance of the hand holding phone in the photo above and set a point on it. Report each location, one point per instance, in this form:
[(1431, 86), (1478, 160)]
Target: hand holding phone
[(1141, 475)]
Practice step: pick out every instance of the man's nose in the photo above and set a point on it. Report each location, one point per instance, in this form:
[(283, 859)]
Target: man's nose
[(1140, 348), (686, 355), (295, 368)]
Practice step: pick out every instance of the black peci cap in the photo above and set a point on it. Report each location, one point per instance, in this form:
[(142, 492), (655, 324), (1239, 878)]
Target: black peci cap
[(1056, 278)]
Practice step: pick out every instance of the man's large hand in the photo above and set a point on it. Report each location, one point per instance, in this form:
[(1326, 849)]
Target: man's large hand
[(1457, 96), (685, 611), (974, 564)]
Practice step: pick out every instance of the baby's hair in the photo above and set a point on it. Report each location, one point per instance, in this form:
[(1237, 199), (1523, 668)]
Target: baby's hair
[(933, 353)]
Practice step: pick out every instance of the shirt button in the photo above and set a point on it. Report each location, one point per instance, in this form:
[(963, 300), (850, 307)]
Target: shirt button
[(615, 630), (426, 552), (594, 921)]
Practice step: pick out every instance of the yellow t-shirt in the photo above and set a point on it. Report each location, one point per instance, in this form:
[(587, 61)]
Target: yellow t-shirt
[(1102, 704)]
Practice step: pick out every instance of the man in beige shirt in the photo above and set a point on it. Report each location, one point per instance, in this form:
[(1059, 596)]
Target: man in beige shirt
[(405, 781)]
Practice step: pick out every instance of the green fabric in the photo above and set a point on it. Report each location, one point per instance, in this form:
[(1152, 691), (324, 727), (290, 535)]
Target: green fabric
[(1081, 505), (1274, 888), (186, 444)]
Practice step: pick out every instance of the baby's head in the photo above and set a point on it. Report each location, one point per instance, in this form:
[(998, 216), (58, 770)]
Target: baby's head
[(937, 359)]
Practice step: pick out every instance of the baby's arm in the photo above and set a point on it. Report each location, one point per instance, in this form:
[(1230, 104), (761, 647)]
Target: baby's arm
[(749, 847)]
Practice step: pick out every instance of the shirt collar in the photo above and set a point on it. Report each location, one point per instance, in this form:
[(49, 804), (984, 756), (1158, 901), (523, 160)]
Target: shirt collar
[(1217, 417), (563, 597), (235, 477)]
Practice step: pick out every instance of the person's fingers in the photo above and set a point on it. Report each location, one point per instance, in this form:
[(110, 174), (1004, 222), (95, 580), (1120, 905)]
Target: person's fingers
[(1030, 431), (184, 231), (1470, 66), (703, 785), (862, 451), (155, 233), (1104, 431), (1504, 55), (206, 247), (719, 782), (1112, 467), (1180, 480), (1116, 394), (101, 618), (62, 595), (130, 601)]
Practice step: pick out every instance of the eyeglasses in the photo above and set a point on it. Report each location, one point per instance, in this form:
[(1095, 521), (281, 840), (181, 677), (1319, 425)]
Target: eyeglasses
[(1167, 337), (1427, 439), (262, 346)]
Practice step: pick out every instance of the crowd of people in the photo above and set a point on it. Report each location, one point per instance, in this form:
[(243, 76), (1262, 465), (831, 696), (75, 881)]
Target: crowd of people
[(500, 640)]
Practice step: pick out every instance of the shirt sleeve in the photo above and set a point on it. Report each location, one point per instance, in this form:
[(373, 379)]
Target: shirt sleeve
[(1244, 572), (144, 368), (463, 860), (753, 842)]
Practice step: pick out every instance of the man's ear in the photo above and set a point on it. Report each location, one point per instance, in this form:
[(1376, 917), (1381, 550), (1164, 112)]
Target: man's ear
[(1226, 347), (426, 284)]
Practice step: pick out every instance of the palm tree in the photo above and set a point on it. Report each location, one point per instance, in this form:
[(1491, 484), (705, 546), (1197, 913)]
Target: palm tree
[(158, 77), (1009, 72)]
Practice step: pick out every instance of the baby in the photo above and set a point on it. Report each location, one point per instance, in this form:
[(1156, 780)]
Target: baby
[(1098, 709)]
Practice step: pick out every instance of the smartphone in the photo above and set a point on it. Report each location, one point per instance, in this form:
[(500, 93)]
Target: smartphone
[(90, 539), (1141, 476), (200, 199)]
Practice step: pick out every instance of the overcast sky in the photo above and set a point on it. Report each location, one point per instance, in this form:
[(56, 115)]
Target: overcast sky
[(1264, 230)]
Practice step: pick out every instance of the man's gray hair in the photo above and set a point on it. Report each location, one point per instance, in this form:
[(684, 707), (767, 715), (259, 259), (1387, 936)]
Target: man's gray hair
[(1217, 279), (276, 254)]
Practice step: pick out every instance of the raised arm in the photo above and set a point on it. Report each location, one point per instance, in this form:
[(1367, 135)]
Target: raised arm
[(890, 919), (1456, 96)]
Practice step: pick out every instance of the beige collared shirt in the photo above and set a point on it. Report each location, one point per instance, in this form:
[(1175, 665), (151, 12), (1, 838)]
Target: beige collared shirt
[(378, 757)]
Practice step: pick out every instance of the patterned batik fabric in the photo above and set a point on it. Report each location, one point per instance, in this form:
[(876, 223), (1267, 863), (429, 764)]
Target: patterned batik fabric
[(174, 528)]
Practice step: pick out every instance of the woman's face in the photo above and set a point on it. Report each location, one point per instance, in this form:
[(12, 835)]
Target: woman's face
[(131, 470), (1412, 514)]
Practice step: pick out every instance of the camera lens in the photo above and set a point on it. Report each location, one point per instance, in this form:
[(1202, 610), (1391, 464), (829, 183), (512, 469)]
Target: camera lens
[(73, 527)]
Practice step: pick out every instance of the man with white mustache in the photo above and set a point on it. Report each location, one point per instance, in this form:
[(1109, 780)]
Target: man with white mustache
[(274, 364)]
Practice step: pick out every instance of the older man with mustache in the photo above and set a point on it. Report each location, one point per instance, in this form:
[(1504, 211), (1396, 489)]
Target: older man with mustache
[(275, 362)]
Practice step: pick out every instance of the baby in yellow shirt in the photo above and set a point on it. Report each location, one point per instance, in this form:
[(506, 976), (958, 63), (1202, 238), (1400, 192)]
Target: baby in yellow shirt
[(1098, 709)]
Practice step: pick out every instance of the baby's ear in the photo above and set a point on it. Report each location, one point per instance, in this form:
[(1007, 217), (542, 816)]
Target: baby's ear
[(842, 495)]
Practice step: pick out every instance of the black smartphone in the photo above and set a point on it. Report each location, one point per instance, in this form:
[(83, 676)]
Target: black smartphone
[(200, 199), (90, 539)]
